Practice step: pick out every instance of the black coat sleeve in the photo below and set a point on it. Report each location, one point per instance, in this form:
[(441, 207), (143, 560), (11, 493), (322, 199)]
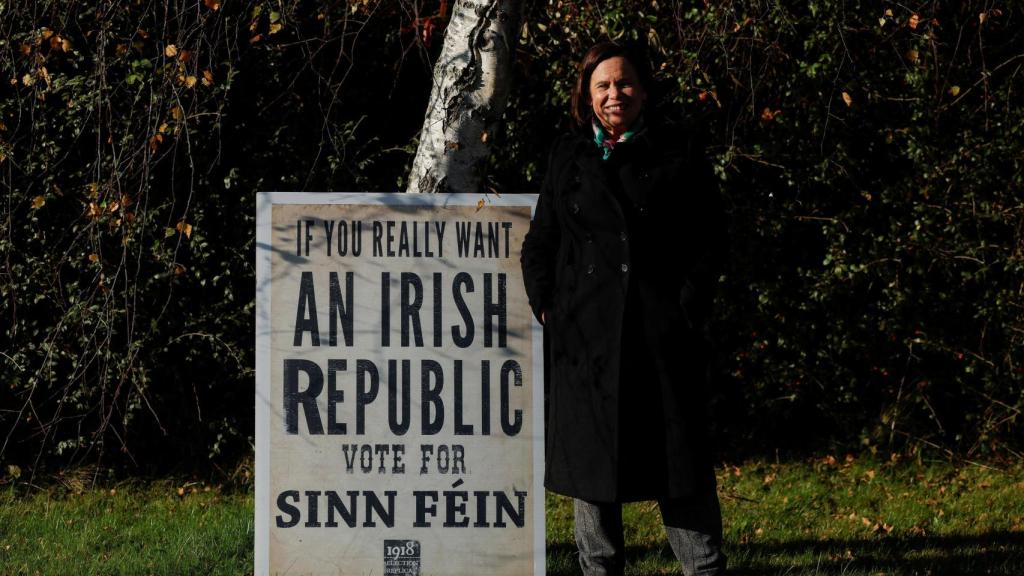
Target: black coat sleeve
[(540, 247)]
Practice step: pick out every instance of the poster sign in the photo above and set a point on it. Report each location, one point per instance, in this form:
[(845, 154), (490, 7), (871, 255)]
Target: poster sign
[(399, 404)]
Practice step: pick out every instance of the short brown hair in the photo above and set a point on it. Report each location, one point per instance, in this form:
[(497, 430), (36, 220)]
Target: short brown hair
[(582, 113)]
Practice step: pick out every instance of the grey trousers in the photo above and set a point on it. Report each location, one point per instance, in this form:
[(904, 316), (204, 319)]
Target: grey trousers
[(694, 528)]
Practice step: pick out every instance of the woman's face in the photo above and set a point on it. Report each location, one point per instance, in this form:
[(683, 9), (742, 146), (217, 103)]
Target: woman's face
[(616, 94)]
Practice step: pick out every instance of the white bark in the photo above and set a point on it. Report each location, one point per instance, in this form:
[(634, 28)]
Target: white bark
[(471, 85)]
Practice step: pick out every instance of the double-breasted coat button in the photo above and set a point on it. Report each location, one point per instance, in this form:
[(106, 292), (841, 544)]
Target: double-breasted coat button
[(575, 208), (625, 268), (622, 236), (590, 269)]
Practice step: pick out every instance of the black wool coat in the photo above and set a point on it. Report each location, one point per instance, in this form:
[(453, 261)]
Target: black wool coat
[(621, 257)]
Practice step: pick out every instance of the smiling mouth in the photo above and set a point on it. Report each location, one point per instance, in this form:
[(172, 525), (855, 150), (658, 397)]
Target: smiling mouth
[(618, 108)]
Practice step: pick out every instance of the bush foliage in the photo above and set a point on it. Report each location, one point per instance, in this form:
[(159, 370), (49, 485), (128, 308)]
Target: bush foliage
[(870, 155)]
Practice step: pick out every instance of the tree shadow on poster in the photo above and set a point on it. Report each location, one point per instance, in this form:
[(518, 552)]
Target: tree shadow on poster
[(992, 553)]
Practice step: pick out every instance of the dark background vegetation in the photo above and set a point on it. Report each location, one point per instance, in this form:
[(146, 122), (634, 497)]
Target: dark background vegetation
[(870, 156)]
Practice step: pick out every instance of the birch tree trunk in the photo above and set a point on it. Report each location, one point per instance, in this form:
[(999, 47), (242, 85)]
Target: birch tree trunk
[(471, 85)]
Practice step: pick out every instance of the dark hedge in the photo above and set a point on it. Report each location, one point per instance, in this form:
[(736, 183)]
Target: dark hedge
[(870, 155)]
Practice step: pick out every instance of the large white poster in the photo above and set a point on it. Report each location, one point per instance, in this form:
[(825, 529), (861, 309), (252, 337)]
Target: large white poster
[(399, 400)]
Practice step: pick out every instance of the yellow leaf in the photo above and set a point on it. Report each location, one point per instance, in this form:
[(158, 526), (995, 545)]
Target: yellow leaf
[(177, 112), (184, 228), (914, 21), (479, 204), (888, 12), (170, 51), (881, 22), (14, 471), (168, 232), (94, 210), (212, 4), (483, 137), (27, 80), (65, 45), (38, 202), (954, 90), (207, 78), (163, 128), (255, 39), (94, 257), (982, 17), (276, 27), (184, 55), (181, 491), (46, 34), (848, 99), (190, 81), (114, 207), (912, 55)]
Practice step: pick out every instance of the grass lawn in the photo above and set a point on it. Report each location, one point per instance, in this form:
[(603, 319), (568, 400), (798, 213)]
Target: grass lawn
[(834, 515)]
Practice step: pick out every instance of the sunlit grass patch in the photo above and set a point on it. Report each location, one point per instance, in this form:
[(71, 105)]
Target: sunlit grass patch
[(159, 528), (850, 516)]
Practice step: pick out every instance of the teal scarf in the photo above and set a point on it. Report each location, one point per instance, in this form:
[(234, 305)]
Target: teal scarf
[(607, 144)]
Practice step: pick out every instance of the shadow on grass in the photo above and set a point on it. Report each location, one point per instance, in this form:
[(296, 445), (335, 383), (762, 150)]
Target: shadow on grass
[(993, 553)]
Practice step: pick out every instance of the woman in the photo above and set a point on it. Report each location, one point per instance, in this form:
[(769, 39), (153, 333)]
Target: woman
[(619, 267)]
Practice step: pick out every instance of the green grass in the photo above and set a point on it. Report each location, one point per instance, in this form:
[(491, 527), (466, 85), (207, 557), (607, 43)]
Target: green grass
[(127, 530), (844, 516)]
